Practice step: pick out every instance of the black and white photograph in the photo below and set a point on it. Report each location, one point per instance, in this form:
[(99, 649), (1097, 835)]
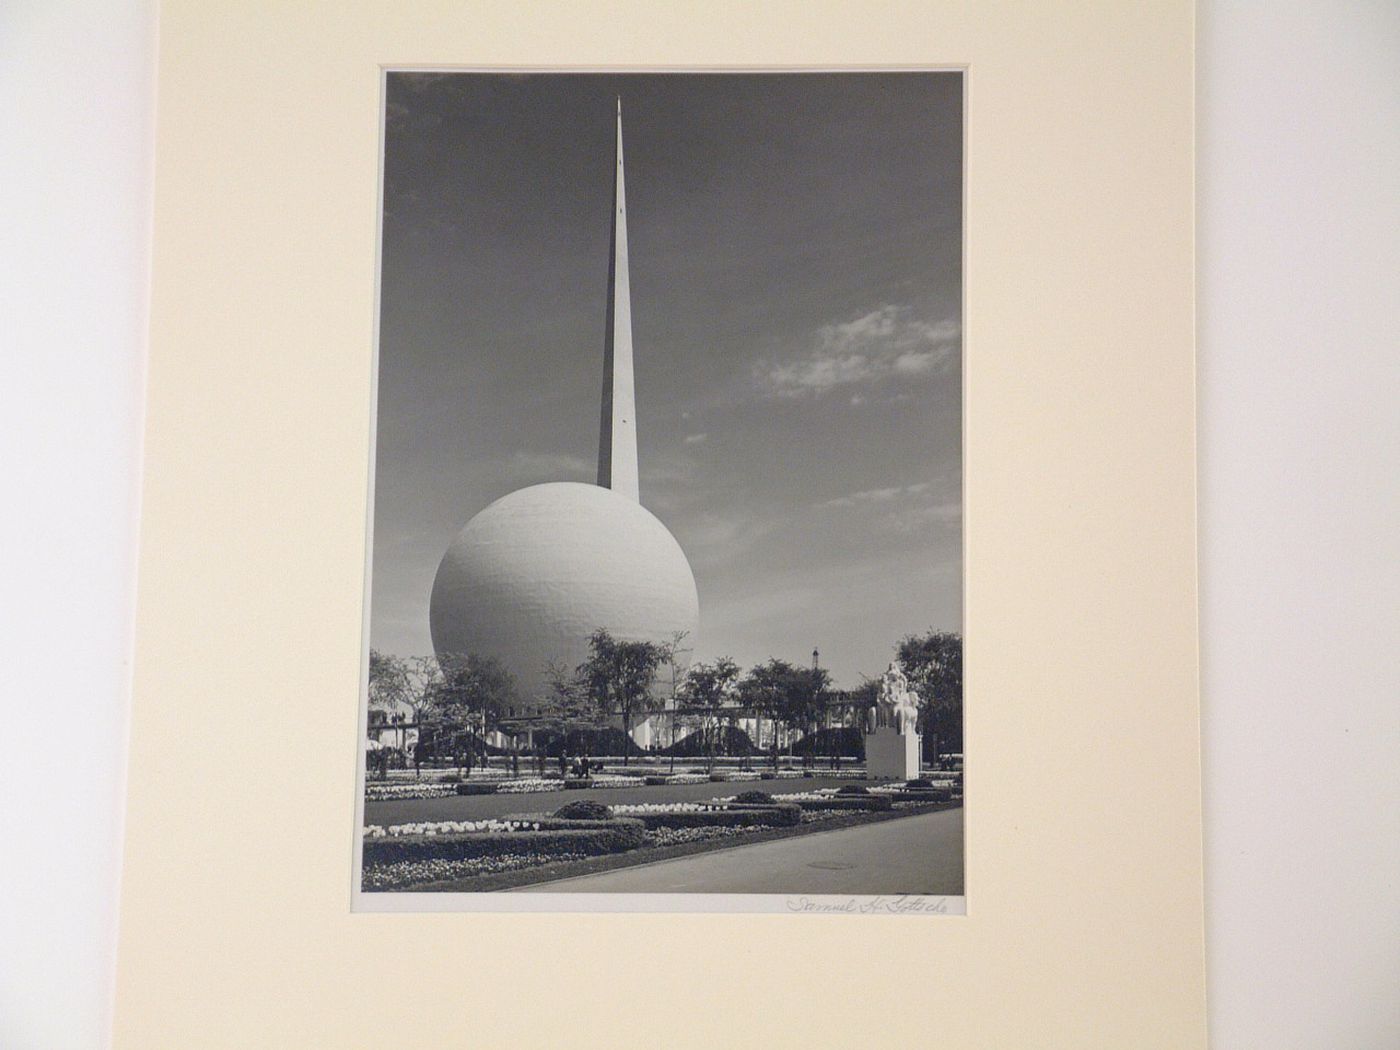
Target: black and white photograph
[(665, 593)]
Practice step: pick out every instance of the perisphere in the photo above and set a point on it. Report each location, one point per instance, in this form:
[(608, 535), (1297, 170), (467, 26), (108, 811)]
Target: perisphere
[(531, 577)]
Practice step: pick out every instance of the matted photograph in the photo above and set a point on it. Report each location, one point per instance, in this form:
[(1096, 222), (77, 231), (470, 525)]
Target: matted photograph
[(665, 593)]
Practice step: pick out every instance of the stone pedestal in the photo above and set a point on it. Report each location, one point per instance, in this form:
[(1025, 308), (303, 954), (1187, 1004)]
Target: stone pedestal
[(891, 755)]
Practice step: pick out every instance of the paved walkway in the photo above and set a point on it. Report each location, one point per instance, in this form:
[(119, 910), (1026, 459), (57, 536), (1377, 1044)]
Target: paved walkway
[(914, 855), (476, 807)]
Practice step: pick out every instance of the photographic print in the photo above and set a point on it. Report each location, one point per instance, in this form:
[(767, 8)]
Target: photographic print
[(666, 574)]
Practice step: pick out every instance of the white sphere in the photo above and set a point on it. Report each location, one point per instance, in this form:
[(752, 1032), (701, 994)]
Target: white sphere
[(532, 576)]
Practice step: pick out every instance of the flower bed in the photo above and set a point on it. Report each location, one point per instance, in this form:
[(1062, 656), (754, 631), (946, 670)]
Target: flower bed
[(375, 792), (727, 816), (589, 838), (448, 827), (865, 803), (907, 795), (614, 780), (408, 776), (404, 874), (721, 775), (527, 785), (678, 836), (813, 816), (666, 807)]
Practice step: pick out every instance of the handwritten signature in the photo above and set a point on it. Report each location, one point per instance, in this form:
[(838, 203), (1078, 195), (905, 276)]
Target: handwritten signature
[(902, 904)]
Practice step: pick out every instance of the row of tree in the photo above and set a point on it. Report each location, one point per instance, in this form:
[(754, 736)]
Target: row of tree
[(457, 701)]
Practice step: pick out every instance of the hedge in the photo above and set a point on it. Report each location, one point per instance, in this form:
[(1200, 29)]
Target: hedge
[(868, 803), (477, 788), (592, 837), (584, 809), (936, 794), (754, 798), (578, 783), (732, 817)]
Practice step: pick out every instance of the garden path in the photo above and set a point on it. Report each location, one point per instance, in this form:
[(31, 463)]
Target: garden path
[(913, 855)]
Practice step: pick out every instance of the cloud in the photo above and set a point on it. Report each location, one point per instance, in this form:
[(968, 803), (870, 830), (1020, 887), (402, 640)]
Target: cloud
[(886, 343), (918, 518), (531, 467), (695, 439), (866, 496), (903, 508), (711, 538)]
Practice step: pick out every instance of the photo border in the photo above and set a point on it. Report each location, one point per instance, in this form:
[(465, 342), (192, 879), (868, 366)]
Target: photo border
[(806, 904)]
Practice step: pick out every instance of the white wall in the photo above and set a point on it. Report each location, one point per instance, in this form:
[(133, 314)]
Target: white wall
[(1299, 219), (75, 81), (1300, 456)]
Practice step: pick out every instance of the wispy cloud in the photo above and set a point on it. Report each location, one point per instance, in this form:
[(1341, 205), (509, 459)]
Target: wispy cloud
[(887, 343), (920, 517), (714, 538), (903, 508), (867, 496)]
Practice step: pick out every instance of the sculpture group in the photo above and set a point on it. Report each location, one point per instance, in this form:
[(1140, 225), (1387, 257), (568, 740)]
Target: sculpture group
[(892, 735), (897, 706)]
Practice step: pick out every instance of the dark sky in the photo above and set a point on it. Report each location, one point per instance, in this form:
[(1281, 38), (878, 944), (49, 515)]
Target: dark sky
[(795, 247)]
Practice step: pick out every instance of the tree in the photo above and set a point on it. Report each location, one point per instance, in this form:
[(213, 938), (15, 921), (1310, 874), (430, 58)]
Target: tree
[(789, 695), (471, 696), (675, 652), (390, 689), (618, 677), (933, 664), (568, 708), (390, 682), (706, 689)]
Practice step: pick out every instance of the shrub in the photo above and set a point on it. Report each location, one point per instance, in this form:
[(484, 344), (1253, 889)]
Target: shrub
[(768, 774), (610, 741), (578, 783), (782, 815), (847, 741), (935, 794), (469, 788), (584, 809), (727, 740), (719, 778), (867, 803), (758, 798), (852, 789), (656, 781), (612, 836), (919, 782)]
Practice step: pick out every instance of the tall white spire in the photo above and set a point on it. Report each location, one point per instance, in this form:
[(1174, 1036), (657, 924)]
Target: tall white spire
[(617, 438)]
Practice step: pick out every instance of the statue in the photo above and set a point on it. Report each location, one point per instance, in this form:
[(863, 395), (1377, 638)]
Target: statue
[(898, 705), (893, 755)]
